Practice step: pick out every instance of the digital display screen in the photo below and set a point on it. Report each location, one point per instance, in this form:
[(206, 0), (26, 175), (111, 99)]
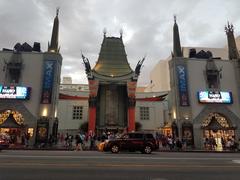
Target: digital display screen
[(14, 92), (219, 97)]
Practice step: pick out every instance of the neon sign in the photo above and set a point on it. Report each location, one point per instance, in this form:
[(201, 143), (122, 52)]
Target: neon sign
[(14, 92), (215, 97)]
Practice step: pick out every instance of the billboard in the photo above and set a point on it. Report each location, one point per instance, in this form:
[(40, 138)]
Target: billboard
[(15, 92), (220, 97), (48, 78), (182, 85)]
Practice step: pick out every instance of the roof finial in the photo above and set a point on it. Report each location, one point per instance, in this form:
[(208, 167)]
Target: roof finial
[(229, 27), (104, 32), (232, 47), (57, 11), (121, 32), (175, 18)]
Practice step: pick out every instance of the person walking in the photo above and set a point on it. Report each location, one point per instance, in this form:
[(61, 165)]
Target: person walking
[(78, 143)]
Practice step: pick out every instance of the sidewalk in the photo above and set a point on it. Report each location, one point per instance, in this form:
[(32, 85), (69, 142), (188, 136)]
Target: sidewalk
[(62, 148)]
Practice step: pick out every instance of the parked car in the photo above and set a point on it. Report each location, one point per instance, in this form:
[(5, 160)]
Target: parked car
[(4, 141), (134, 141)]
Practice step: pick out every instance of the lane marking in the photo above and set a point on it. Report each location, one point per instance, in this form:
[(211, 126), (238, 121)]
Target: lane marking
[(106, 165), (237, 161), (115, 157)]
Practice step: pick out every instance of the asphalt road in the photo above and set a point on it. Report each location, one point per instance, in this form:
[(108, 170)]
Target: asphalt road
[(91, 165)]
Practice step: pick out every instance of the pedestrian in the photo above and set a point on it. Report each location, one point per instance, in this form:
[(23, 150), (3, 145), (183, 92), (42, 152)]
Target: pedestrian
[(50, 140), (206, 143), (66, 139), (78, 143), (170, 142), (179, 144)]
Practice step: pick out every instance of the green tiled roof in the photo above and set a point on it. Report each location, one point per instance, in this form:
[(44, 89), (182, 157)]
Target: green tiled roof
[(112, 60)]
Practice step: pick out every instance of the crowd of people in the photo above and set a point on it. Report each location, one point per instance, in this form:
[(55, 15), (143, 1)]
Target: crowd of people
[(168, 142), (16, 139), (89, 141), (84, 141), (80, 141), (219, 144)]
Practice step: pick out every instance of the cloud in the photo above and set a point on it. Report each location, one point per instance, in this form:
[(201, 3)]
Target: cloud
[(147, 27)]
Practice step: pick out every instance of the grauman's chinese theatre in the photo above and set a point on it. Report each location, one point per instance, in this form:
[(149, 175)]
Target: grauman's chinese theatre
[(112, 86)]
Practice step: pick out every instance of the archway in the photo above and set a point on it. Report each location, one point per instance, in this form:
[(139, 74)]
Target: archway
[(12, 125), (219, 127)]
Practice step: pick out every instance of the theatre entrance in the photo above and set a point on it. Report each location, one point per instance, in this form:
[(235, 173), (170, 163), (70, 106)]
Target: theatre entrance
[(218, 127), (12, 125)]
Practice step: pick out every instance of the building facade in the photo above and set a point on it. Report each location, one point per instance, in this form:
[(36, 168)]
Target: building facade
[(151, 110), (112, 86), (204, 92), (29, 87)]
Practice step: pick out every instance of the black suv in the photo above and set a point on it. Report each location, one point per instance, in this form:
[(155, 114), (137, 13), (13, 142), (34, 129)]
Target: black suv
[(134, 141)]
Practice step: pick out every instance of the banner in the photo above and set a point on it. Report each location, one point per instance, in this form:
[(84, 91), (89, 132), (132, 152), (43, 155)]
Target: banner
[(48, 77), (182, 85)]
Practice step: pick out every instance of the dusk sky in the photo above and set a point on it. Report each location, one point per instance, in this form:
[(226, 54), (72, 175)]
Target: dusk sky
[(147, 27)]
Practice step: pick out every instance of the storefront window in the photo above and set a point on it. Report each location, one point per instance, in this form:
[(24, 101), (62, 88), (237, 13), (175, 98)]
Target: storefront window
[(30, 132)]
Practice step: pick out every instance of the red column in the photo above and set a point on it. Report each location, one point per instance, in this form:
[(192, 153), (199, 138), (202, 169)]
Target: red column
[(93, 89), (92, 120), (131, 118)]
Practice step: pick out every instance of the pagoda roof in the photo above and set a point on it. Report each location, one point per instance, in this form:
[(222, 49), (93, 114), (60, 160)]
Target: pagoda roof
[(112, 60)]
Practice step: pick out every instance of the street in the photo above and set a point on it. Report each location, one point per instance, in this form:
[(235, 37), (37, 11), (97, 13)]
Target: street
[(90, 165)]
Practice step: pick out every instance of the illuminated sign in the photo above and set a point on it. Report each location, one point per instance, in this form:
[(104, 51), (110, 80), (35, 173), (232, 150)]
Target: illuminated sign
[(182, 85), (14, 92), (215, 97)]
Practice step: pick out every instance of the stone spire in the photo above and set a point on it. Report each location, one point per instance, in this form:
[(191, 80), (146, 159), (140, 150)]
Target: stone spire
[(177, 50), (232, 48), (53, 47)]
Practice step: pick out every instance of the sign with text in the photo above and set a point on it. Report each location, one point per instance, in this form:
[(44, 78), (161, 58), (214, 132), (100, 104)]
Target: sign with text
[(215, 97), (14, 92), (48, 77), (182, 85)]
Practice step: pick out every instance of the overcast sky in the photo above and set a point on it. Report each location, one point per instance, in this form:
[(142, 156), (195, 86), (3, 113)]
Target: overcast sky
[(147, 27)]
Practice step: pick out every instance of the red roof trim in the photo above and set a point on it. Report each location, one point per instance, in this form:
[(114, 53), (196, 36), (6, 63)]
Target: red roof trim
[(69, 97), (150, 99)]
